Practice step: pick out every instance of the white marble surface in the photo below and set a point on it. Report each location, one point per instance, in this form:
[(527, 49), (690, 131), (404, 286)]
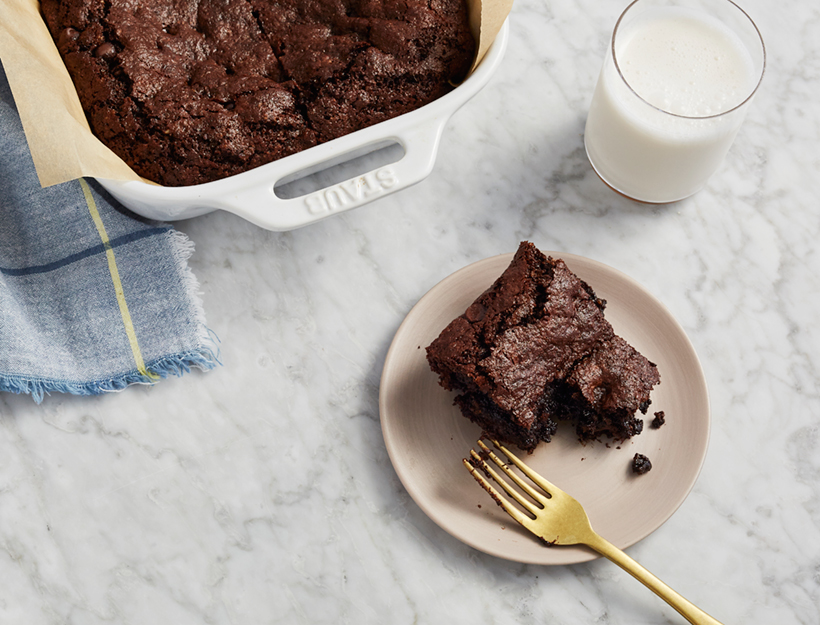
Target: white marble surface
[(261, 492)]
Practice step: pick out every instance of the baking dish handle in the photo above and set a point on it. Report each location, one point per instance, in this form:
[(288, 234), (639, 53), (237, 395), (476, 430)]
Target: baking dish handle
[(260, 204)]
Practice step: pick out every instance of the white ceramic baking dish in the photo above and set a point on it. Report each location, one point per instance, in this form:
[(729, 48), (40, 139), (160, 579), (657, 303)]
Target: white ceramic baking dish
[(251, 194)]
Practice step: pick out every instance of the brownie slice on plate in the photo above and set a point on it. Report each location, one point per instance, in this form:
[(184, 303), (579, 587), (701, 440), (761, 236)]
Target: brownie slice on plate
[(535, 349)]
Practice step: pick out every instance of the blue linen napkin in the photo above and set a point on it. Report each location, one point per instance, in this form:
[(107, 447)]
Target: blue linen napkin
[(92, 297)]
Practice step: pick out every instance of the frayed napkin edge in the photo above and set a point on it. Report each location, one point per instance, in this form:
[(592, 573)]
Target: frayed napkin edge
[(204, 359)]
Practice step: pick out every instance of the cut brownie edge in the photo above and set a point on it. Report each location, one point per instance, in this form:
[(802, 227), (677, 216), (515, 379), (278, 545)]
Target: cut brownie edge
[(501, 425)]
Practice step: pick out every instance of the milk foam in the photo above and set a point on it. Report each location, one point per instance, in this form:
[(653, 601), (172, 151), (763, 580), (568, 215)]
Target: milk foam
[(685, 62)]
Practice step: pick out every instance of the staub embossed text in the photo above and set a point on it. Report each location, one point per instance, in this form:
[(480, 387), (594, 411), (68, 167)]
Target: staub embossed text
[(351, 192)]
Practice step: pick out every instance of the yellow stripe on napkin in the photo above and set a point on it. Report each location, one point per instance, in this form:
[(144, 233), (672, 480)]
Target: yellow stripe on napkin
[(115, 277)]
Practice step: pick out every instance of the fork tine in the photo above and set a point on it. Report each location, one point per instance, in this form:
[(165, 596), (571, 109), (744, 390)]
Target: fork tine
[(548, 486), (514, 512), (478, 460), (539, 497)]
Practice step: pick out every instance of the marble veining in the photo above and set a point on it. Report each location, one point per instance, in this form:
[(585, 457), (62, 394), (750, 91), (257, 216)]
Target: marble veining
[(262, 492)]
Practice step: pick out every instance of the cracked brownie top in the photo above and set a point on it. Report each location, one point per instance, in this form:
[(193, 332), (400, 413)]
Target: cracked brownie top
[(189, 91)]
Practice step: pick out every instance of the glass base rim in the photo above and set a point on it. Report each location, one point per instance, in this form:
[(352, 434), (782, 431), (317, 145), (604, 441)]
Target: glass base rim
[(632, 197)]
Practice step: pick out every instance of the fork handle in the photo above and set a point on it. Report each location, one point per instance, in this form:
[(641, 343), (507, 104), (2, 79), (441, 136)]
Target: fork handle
[(687, 609)]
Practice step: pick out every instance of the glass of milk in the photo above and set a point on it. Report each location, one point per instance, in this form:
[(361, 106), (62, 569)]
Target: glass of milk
[(675, 86)]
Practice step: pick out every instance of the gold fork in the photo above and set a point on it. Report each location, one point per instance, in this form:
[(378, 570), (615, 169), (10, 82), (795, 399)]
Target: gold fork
[(559, 519)]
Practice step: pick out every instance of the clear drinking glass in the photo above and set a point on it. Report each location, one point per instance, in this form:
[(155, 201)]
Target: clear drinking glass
[(674, 89)]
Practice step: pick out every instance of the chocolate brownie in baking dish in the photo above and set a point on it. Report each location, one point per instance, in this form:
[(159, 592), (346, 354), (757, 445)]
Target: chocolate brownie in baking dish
[(190, 91), (535, 349)]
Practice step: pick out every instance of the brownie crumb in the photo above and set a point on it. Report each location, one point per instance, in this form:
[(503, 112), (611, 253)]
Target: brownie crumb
[(641, 464), (659, 420)]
